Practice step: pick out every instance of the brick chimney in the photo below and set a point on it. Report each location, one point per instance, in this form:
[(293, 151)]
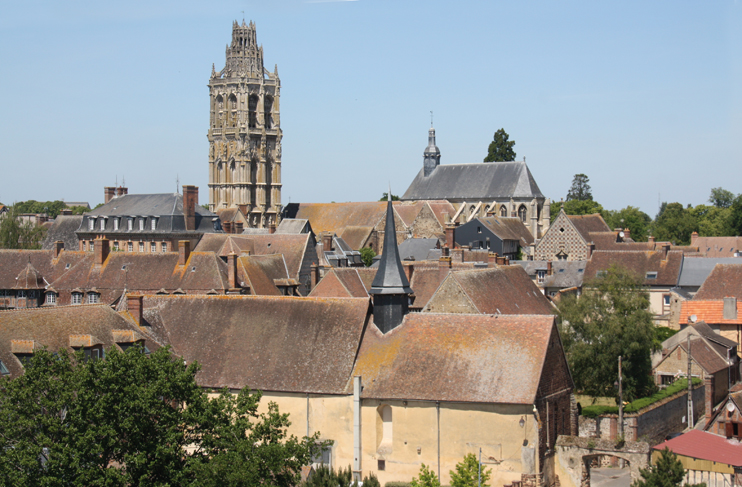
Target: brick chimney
[(665, 250), (134, 305), (232, 270), (549, 268), (101, 250), (693, 238), (444, 265), (58, 248), (492, 258), (626, 233), (190, 200), (708, 383), (314, 276), (227, 226), (238, 227), (650, 240), (450, 235), (109, 193), (184, 251), (65, 211), (121, 191), (326, 242)]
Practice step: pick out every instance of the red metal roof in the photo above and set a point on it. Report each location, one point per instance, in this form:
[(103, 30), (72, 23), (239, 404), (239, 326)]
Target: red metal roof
[(705, 446)]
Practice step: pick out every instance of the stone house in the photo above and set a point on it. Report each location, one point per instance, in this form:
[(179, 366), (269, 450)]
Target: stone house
[(726, 419), (568, 237)]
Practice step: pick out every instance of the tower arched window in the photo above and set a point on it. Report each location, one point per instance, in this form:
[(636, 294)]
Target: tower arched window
[(268, 109), (522, 213), (252, 107), (232, 174), (504, 211), (219, 110)]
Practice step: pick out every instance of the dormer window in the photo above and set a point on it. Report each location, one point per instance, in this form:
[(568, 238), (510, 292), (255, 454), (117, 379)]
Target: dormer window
[(540, 276), (141, 223), (102, 223), (93, 298), (651, 275), (153, 224), (76, 298), (51, 298), (130, 224), (116, 224), (91, 223)]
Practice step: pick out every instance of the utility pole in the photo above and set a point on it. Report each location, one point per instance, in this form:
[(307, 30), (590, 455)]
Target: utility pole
[(690, 388), (620, 399), (479, 473)]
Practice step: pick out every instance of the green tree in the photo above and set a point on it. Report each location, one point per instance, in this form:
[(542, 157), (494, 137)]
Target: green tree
[(721, 198), (580, 189), (324, 476), (466, 473), (610, 319), (426, 478), (51, 208), (137, 419), (385, 195), (632, 218), (735, 218), (18, 234), (667, 472), (367, 256), (675, 224), (500, 149), (578, 207), (713, 221)]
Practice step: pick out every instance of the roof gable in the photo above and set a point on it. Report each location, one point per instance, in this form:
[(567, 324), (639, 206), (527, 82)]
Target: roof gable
[(724, 281)]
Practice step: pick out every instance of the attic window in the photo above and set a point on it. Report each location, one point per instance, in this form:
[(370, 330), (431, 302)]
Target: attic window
[(141, 223), (3, 369), (93, 298), (193, 269), (479, 229), (76, 298), (561, 270), (91, 224), (580, 270), (67, 266), (651, 275), (102, 223)]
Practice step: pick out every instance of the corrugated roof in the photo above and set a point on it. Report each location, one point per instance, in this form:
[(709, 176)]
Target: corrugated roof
[(459, 358), (724, 281), (478, 182), (263, 342), (705, 446)]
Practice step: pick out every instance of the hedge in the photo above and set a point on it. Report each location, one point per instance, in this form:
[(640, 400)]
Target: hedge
[(641, 403)]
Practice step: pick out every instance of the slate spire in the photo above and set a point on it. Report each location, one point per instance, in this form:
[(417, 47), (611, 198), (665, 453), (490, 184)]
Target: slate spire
[(390, 288)]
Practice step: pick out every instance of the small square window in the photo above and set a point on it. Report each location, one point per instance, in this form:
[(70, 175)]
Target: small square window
[(22, 293), (51, 298), (93, 298), (381, 465)]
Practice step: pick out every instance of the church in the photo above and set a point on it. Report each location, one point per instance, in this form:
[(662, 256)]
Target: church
[(503, 189), (245, 132)]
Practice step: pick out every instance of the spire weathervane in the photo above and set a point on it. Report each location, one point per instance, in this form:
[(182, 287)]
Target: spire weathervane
[(431, 118)]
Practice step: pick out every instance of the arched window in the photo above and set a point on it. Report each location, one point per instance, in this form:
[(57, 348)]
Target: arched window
[(252, 106), (231, 178), (219, 111), (522, 212), (504, 211), (232, 111), (268, 109)]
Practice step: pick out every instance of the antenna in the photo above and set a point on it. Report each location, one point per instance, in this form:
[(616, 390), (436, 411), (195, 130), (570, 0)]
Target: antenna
[(117, 180), (243, 16), (431, 118), (177, 184), (123, 182)]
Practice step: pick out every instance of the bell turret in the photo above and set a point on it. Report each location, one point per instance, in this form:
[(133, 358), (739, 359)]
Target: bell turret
[(432, 155)]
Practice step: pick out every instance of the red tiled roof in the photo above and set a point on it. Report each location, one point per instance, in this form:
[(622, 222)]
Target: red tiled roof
[(718, 246), (710, 311), (334, 217), (667, 269), (724, 281), (462, 358), (705, 446), (585, 224)]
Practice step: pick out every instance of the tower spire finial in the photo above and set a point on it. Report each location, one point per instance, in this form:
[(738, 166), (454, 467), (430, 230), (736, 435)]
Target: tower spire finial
[(431, 118)]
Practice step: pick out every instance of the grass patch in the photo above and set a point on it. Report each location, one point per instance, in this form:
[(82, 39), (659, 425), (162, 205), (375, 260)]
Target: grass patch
[(641, 403)]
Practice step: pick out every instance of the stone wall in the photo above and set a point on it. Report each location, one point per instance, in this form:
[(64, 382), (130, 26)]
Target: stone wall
[(652, 424)]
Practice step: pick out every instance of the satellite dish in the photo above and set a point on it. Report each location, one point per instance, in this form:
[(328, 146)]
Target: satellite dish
[(730, 407), (693, 318), (621, 234)]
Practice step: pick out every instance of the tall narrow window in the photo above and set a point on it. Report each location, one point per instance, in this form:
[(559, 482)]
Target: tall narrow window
[(153, 247), (385, 442), (141, 223), (116, 224), (163, 247), (232, 111), (268, 109), (522, 212), (503, 211), (130, 247), (102, 223), (91, 224), (252, 106), (153, 223), (130, 224)]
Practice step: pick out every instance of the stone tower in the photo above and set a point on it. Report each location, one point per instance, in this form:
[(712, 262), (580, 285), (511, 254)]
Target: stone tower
[(432, 155), (245, 132)]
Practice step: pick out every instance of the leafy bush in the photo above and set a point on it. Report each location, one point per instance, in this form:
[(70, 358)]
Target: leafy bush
[(397, 484), (641, 403)]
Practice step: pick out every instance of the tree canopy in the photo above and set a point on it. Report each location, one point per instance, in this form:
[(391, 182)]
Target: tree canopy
[(500, 149), (675, 224), (667, 472), (578, 207), (385, 196), (426, 478), (610, 319), (367, 256), (466, 473), (721, 198), (51, 208), (632, 218), (580, 189), (138, 419), (16, 233)]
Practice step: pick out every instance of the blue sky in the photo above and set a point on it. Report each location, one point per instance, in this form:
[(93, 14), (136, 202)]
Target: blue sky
[(643, 97)]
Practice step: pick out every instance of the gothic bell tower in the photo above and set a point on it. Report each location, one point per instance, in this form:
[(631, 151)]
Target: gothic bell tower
[(245, 132)]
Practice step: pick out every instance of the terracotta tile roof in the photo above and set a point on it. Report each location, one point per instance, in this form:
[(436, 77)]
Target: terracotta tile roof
[(356, 236), (13, 262), (427, 277), (251, 270), (212, 242), (718, 246), (461, 358), (292, 246), (408, 210), (640, 263), (501, 290), (352, 282), (344, 282), (24, 330), (367, 275), (710, 311), (334, 217), (585, 224), (269, 343), (610, 241), (29, 278), (704, 355), (330, 287), (705, 446), (440, 207), (724, 281)]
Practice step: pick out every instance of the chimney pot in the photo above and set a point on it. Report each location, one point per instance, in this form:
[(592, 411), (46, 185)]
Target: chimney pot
[(108, 194), (492, 258), (184, 251), (314, 276), (693, 238), (227, 226), (450, 235), (190, 200), (232, 270), (101, 250), (238, 227), (327, 242)]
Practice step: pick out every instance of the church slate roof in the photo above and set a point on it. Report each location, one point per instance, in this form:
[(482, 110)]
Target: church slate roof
[(478, 181)]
